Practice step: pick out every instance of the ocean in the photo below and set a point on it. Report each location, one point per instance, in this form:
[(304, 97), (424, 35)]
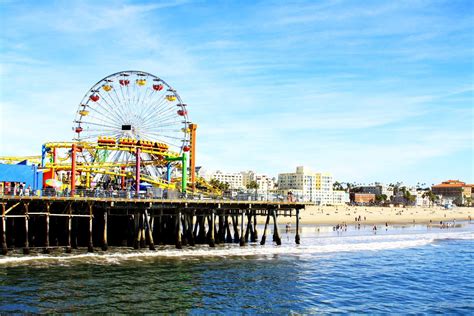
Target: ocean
[(398, 269)]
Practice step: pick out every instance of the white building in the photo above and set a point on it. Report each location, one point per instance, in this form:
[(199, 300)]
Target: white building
[(311, 187), (302, 184), (265, 184), (239, 181), (378, 189), (340, 197), (235, 180)]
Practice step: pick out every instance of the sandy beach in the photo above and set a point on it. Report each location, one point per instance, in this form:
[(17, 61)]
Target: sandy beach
[(381, 215)]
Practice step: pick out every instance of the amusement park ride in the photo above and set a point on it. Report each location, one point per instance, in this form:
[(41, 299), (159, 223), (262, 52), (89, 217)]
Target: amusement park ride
[(131, 127)]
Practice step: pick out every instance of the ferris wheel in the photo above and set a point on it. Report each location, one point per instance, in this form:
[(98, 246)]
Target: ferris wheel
[(132, 105)]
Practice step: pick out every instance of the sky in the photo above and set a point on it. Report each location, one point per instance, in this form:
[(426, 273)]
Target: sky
[(367, 90)]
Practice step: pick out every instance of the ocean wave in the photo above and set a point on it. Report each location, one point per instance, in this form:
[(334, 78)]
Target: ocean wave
[(330, 245)]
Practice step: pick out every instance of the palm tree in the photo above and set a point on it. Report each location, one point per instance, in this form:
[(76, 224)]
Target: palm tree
[(337, 186), (431, 197), (253, 185), (407, 196)]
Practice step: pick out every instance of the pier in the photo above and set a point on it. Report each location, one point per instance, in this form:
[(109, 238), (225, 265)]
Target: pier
[(44, 222)]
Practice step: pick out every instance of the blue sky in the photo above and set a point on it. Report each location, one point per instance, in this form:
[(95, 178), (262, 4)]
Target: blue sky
[(367, 90)]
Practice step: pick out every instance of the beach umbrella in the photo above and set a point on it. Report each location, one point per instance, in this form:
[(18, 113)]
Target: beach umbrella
[(53, 183)]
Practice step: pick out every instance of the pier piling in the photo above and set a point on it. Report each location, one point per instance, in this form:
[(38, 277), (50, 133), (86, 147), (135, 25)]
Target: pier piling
[(136, 229), (235, 223), (276, 233), (179, 245), (90, 247), (26, 248), (142, 230), (105, 245), (149, 226), (264, 236), (297, 235), (4, 231), (212, 228), (227, 228), (46, 249), (255, 232), (69, 228), (242, 234)]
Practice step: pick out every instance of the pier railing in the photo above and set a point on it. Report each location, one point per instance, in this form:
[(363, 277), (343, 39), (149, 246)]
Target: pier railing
[(143, 195)]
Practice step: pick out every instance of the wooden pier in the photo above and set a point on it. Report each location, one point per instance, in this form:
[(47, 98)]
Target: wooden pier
[(72, 222)]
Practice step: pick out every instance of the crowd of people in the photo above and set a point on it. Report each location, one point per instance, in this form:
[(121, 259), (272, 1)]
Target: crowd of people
[(18, 188)]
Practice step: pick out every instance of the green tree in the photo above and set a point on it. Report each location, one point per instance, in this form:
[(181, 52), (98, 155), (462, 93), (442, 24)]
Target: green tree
[(337, 186), (381, 198), (431, 197), (407, 196), (468, 200), (253, 185), (224, 186)]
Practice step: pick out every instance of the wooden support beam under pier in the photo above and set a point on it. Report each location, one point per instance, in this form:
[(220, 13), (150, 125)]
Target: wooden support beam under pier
[(52, 222)]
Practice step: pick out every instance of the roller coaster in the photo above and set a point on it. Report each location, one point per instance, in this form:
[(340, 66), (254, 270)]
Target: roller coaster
[(130, 128)]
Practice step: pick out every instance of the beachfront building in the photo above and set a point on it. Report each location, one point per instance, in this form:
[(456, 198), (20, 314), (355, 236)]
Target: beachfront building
[(399, 196), (421, 200), (340, 197), (233, 179), (302, 184), (378, 189), (453, 191), (266, 184), (362, 198), (311, 187)]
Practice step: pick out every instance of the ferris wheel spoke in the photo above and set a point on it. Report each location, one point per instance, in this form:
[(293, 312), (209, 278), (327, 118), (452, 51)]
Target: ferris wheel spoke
[(100, 120), (127, 102), (156, 103), (146, 103), (101, 125), (111, 108), (159, 124), (155, 106), (170, 110), (151, 118), (104, 104), (117, 106), (169, 115), (155, 117), (171, 123), (163, 104), (170, 139), (143, 94), (158, 127), (105, 111), (93, 108)]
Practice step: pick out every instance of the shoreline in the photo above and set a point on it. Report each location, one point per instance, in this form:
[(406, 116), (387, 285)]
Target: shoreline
[(333, 215)]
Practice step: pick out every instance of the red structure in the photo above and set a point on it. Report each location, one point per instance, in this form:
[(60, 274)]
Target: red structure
[(73, 169), (137, 171)]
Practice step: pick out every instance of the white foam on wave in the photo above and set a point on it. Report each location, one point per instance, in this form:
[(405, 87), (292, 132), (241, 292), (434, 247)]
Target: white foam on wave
[(316, 246)]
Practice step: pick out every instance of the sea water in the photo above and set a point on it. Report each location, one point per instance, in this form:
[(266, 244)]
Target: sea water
[(396, 269)]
